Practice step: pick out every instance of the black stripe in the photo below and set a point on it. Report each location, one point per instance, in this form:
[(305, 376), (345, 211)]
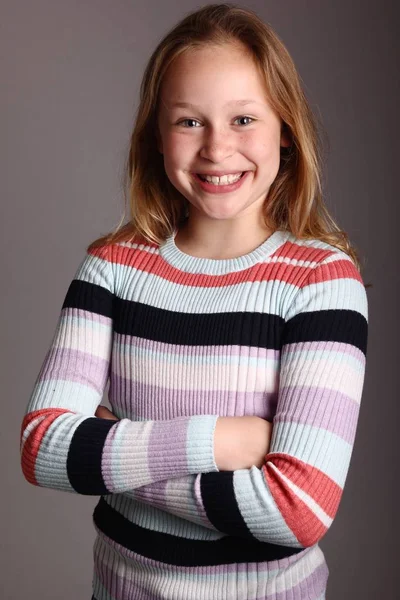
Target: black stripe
[(236, 328), (240, 328), (89, 296), (347, 326), (84, 457), (181, 551), (220, 504)]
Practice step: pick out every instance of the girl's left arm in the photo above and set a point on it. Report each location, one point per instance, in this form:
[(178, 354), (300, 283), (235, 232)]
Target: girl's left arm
[(293, 499)]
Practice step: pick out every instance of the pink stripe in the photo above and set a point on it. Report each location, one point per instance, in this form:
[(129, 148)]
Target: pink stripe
[(329, 346), (147, 494), (192, 351), (109, 452), (85, 315)]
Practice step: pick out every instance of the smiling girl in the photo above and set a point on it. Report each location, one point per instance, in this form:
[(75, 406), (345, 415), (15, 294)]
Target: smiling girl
[(230, 319)]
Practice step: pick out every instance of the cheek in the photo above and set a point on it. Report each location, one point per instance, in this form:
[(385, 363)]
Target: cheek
[(258, 147), (269, 150), (177, 151)]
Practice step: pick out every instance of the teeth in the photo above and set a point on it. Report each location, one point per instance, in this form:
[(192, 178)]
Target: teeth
[(224, 180)]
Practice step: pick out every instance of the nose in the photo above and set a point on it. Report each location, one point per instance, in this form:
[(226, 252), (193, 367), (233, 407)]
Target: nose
[(217, 145)]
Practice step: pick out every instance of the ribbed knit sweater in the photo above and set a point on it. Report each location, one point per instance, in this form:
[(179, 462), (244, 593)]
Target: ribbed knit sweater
[(280, 333)]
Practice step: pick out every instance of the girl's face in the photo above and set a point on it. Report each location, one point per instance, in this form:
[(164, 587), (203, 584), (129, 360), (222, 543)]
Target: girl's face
[(217, 131)]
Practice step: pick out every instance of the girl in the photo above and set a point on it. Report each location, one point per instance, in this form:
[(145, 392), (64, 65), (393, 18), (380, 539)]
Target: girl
[(230, 318)]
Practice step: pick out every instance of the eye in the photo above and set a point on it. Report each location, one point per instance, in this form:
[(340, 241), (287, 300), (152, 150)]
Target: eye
[(187, 121), (195, 121), (244, 117)]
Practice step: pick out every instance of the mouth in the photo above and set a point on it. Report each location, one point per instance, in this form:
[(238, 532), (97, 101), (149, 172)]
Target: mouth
[(219, 188), (202, 177)]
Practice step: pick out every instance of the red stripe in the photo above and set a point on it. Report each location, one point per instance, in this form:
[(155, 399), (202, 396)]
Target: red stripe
[(292, 250), (34, 440), (339, 269), (297, 275), (304, 523)]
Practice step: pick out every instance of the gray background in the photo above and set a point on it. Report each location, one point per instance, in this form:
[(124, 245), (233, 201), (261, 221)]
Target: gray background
[(70, 74)]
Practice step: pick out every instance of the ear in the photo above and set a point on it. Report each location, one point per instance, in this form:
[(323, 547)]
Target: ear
[(159, 141), (286, 137)]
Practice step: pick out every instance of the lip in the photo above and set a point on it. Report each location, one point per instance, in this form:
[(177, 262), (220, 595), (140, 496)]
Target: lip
[(219, 189), (218, 173)]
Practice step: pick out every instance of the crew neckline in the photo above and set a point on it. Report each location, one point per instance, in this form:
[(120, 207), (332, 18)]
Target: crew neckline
[(219, 266)]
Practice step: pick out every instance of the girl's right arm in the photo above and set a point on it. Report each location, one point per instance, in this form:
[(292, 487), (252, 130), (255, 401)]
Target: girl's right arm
[(63, 445), (239, 442)]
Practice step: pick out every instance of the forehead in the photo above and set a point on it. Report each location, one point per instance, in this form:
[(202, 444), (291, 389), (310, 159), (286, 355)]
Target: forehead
[(224, 72)]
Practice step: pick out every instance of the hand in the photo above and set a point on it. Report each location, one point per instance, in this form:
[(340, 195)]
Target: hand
[(103, 413), (241, 442)]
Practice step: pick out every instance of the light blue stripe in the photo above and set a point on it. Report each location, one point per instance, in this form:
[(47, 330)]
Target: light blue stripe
[(52, 472), (200, 443), (210, 358), (89, 323), (259, 509), (348, 294), (96, 270), (250, 296), (315, 446), (61, 393)]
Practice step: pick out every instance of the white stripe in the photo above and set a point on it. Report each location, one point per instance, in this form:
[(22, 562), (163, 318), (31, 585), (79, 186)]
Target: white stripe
[(29, 428), (300, 493)]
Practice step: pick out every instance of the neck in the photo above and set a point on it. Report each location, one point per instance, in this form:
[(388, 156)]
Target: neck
[(219, 243)]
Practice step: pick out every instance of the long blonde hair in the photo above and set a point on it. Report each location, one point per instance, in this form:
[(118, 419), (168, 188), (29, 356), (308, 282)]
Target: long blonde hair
[(294, 201)]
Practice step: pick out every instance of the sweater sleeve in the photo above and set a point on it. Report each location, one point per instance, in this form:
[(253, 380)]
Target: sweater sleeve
[(293, 499), (62, 444)]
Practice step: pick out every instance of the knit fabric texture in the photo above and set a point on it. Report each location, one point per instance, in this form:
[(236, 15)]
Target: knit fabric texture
[(280, 333)]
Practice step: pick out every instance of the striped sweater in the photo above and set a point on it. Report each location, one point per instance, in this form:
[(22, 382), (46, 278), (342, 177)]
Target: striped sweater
[(280, 333)]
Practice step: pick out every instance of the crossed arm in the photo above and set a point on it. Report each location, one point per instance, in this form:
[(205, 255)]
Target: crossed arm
[(290, 498), (239, 443)]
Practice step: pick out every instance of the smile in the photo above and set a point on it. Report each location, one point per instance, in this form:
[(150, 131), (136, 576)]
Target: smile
[(220, 185), (221, 180)]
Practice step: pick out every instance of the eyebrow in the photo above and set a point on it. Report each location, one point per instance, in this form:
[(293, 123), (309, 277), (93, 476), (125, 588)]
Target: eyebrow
[(236, 102)]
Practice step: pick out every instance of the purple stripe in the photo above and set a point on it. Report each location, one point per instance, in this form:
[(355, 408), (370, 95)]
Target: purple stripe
[(124, 587), (162, 437), (131, 399), (331, 410), (315, 583), (74, 365)]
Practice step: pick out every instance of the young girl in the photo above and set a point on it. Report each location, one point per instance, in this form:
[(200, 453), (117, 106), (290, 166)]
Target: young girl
[(230, 318)]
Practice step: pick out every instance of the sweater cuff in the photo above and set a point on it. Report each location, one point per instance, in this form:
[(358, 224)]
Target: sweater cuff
[(179, 447), (200, 444)]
